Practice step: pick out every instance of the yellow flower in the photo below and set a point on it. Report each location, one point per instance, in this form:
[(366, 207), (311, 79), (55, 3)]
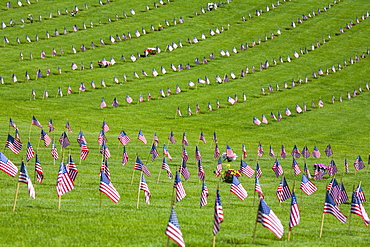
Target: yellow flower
[(227, 165)]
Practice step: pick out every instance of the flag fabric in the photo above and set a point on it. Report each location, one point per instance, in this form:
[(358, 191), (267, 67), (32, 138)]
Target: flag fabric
[(166, 152), (272, 154), (283, 192), (171, 137), (166, 167), (214, 137), (229, 152), (216, 153), (197, 154), (201, 174), (184, 140), (144, 187), (72, 168), (328, 151), (305, 152), (185, 155), (218, 213), (260, 151), (343, 197), (123, 138), (331, 208), (17, 140), (84, 150), (244, 150), (155, 139), (294, 218), (38, 170), (11, 145), (307, 171), (296, 168), (45, 137), (24, 178), (124, 156), (50, 125), (202, 138), (104, 150), (283, 152), (180, 191), (316, 153), (256, 121), (54, 151), (68, 126), (359, 164), (141, 167), (269, 219), (295, 152), (204, 194), (358, 209), (277, 168), (346, 165), (141, 137), (12, 124), (360, 193), (258, 171), (104, 167), (258, 188), (246, 169), (173, 230), (36, 122), (102, 103), (64, 141), (184, 170), (334, 189), (332, 169), (30, 153), (307, 186), (64, 181), (154, 152), (105, 127), (238, 189), (107, 188), (7, 166), (218, 167)]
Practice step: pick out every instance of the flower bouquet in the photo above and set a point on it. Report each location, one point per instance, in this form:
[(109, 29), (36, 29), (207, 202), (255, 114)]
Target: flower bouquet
[(228, 175)]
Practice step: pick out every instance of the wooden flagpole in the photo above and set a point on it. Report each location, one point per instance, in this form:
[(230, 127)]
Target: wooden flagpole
[(59, 201), (291, 228), (322, 224), (255, 225), (100, 199), (16, 196)]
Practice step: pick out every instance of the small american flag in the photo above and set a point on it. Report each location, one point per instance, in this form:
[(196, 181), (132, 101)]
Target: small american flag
[(102, 103), (238, 189), (244, 150), (346, 165), (38, 170), (84, 150), (171, 138), (54, 151), (81, 137), (155, 139), (180, 191), (201, 174), (72, 168), (141, 137), (214, 137), (305, 152), (46, 138), (296, 168), (283, 152), (36, 122), (154, 152), (258, 189), (258, 171), (229, 152), (7, 166), (166, 167), (64, 141), (30, 152), (331, 208), (64, 182), (144, 187), (307, 186), (269, 220), (24, 178), (328, 151), (260, 151), (139, 165), (11, 145), (316, 153), (272, 154), (202, 138), (295, 152), (277, 168), (12, 124), (185, 155), (124, 156), (173, 230), (218, 167), (307, 171), (128, 99), (123, 138), (216, 153), (184, 140), (104, 150), (107, 188), (197, 154), (360, 193), (294, 212), (218, 214), (359, 164), (104, 167), (166, 152), (343, 197), (184, 170), (50, 125), (358, 209), (105, 127), (68, 126), (246, 169), (204, 194), (332, 169), (283, 192)]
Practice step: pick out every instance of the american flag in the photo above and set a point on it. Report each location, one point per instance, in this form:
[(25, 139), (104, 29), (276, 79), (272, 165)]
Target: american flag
[(180, 191), (358, 209), (316, 153), (102, 138), (307, 171), (216, 153), (218, 214), (107, 188), (260, 151), (305, 152), (197, 154), (84, 150), (332, 169), (294, 212), (154, 152), (238, 189), (81, 137), (283, 152), (72, 168), (124, 156), (295, 152), (277, 168), (11, 145), (202, 138), (201, 174), (144, 187), (54, 151), (246, 169), (229, 152), (343, 197), (64, 141), (105, 127), (283, 192), (257, 188), (346, 165), (155, 139), (184, 170), (328, 151), (359, 164), (296, 168), (258, 171), (46, 138), (166, 167), (360, 193), (68, 126), (30, 152), (24, 178), (203, 194), (244, 150), (307, 186), (178, 111), (36, 122), (17, 140), (141, 167), (7, 166), (318, 172), (38, 170), (50, 125), (102, 103), (12, 124), (218, 167), (104, 167), (141, 137), (115, 102), (331, 208), (173, 230), (64, 181), (171, 137), (184, 140), (214, 137), (123, 138), (185, 155), (165, 152), (269, 220), (272, 154), (128, 99)]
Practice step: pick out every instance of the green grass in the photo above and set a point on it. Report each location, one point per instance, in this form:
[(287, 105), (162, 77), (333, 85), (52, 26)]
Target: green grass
[(81, 221)]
